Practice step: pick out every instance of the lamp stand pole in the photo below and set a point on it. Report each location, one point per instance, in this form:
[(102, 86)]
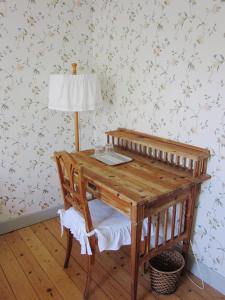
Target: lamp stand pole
[(76, 116)]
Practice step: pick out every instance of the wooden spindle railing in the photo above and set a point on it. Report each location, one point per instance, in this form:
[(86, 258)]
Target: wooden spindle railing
[(165, 225), (157, 231), (171, 223)]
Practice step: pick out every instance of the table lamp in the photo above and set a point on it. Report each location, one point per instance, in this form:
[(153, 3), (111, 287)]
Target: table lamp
[(74, 93)]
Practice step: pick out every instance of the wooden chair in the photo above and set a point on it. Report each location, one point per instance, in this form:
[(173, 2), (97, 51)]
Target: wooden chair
[(78, 209), (74, 194)]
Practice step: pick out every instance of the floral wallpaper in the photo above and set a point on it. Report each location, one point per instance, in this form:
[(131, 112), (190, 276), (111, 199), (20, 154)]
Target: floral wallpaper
[(36, 38), (162, 64)]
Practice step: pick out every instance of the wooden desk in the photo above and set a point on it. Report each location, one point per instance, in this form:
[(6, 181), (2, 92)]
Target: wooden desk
[(163, 176)]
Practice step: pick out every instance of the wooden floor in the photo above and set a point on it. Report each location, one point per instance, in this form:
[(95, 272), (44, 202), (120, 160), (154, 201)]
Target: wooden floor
[(31, 267)]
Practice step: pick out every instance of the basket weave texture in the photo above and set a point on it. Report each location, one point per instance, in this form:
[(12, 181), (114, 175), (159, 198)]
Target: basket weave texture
[(165, 271)]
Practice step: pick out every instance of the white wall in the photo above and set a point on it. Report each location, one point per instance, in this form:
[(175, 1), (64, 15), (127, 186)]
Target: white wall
[(36, 38), (162, 68)]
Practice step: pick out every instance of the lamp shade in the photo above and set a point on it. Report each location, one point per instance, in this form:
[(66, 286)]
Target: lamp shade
[(73, 92)]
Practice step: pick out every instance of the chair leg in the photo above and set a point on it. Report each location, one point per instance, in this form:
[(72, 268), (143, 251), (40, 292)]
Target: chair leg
[(91, 259), (68, 248), (135, 253)]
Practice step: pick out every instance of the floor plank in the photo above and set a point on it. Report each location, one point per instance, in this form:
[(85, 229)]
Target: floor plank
[(207, 293), (31, 267), (144, 279), (35, 274), (6, 292), (74, 271), (103, 278), (107, 264), (56, 273), (17, 279)]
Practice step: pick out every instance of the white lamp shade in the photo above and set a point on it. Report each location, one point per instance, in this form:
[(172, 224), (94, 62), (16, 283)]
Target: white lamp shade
[(74, 92)]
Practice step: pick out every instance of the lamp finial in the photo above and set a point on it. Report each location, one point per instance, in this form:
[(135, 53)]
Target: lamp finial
[(74, 68)]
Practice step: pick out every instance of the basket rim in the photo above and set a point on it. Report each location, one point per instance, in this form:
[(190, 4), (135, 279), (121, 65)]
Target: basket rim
[(170, 272)]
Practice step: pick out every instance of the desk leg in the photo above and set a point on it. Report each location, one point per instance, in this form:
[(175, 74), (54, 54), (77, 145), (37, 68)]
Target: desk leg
[(189, 220), (136, 230)]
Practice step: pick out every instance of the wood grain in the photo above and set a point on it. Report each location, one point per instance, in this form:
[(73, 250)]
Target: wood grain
[(56, 247), (101, 276), (136, 181), (59, 278), (163, 144), (115, 266), (6, 292), (33, 271), (17, 279)]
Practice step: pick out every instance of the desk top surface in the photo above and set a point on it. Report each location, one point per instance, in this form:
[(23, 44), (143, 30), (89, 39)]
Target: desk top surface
[(143, 179)]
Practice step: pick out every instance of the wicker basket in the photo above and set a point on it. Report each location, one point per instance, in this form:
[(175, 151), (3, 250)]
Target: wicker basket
[(165, 271)]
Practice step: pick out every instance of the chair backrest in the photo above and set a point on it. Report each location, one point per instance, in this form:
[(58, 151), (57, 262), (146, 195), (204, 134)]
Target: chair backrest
[(73, 185)]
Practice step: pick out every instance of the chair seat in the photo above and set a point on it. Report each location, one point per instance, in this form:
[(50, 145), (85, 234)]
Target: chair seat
[(111, 228)]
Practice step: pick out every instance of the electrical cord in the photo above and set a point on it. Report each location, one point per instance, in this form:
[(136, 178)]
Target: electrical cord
[(199, 269)]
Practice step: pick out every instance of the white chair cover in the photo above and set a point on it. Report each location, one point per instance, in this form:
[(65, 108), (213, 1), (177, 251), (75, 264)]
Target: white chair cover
[(112, 228)]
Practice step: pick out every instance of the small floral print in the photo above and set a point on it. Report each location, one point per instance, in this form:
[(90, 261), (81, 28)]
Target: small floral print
[(161, 67)]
